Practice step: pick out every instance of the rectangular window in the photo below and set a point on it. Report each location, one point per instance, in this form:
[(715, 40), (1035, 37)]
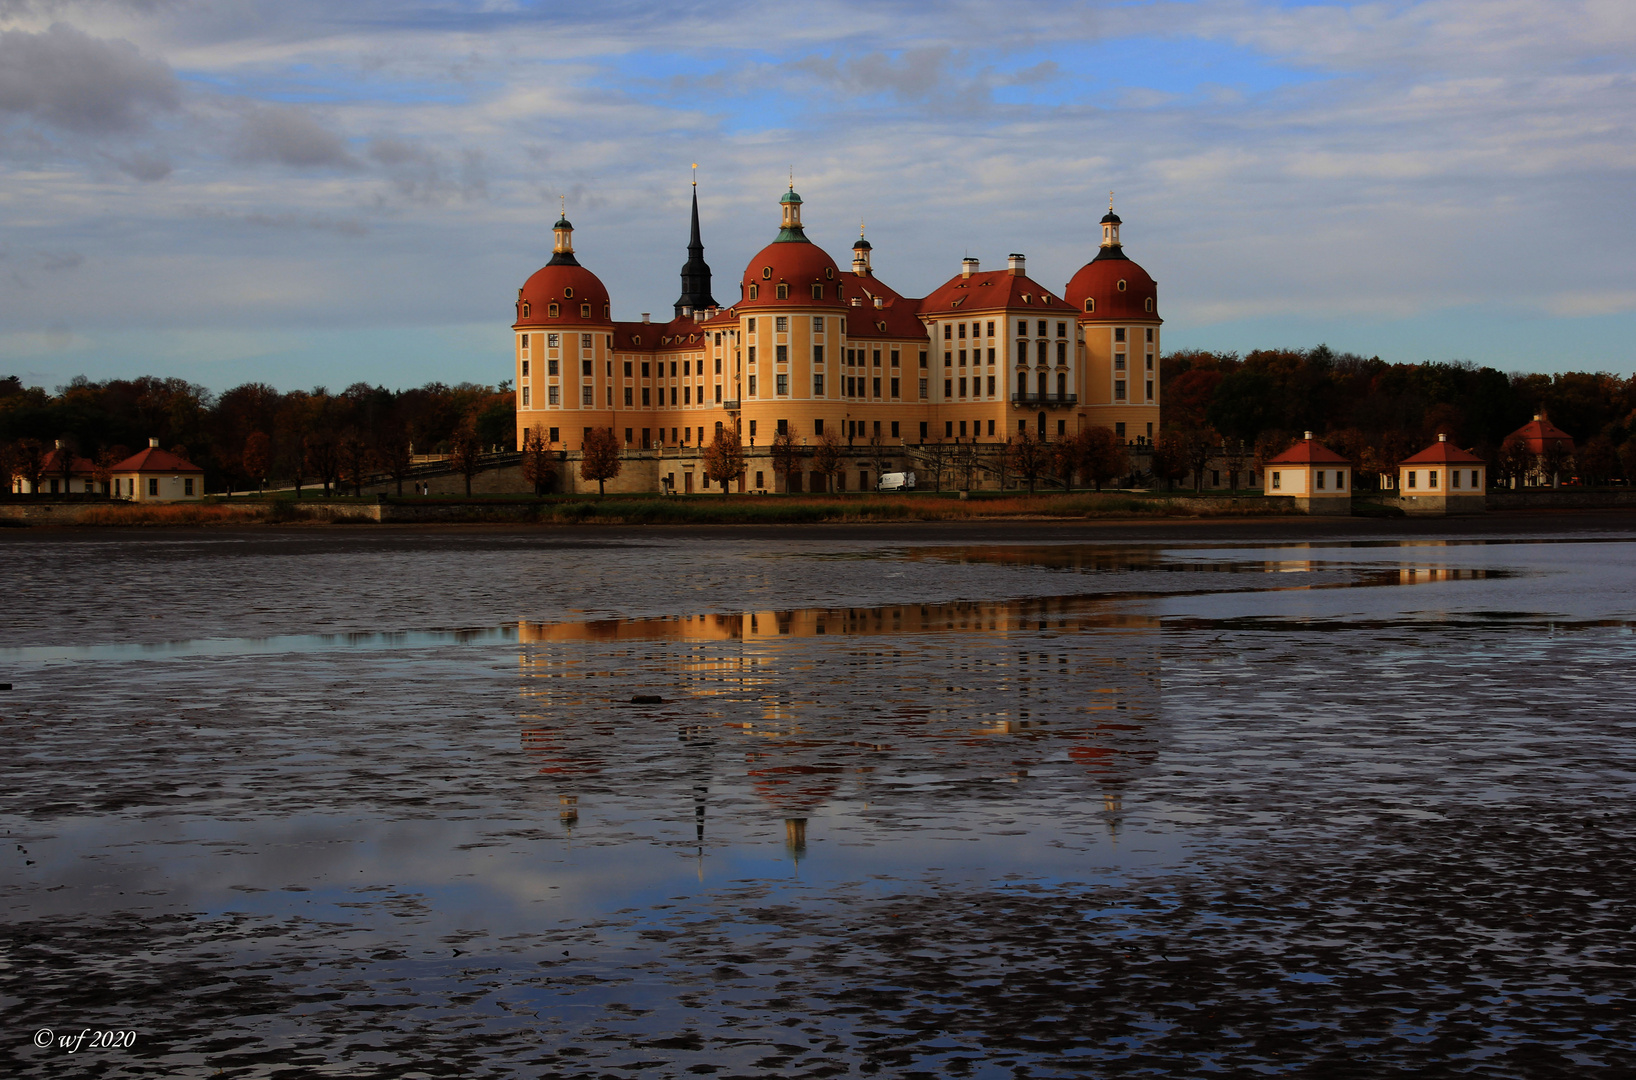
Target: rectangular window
[(1062, 352), (1042, 352), (1041, 329), (1474, 481), (894, 389), (818, 427), (1413, 478), (1278, 481), (187, 485), (586, 396), (948, 359), (687, 395), (876, 387), (948, 389), (752, 354), (646, 371), (628, 393), (1119, 333), (781, 324), (552, 341), (923, 358), (759, 481), (525, 397), (948, 429), (752, 386), (962, 388), (962, 334), (876, 358), (818, 388), (962, 358), (554, 437), (991, 386), (817, 324), (673, 369), (1062, 329), (1022, 328), (817, 354), (1119, 361), (783, 354), (550, 367), (894, 358), (1150, 389), (752, 429), (1150, 361), (627, 369), (646, 396), (948, 331), (923, 431), (894, 429), (1118, 389), (1340, 479), (923, 390), (783, 385), (552, 396), (1320, 479), (525, 369), (585, 342), (1431, 478), (1150, 333), (153, 487)]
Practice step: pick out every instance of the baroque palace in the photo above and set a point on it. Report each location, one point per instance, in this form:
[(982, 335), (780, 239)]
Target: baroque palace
[(808, 348)]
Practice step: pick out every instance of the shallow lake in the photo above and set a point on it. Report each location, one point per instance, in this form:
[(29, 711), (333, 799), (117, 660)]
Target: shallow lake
[(506, 803)]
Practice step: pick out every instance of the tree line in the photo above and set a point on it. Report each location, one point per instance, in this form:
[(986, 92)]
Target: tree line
[(1252, 407), (254, 435)]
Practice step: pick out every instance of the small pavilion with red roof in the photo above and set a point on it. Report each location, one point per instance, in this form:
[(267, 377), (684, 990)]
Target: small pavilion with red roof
[(155, 475), (1443, 479), (61, 471), (1319, 479)]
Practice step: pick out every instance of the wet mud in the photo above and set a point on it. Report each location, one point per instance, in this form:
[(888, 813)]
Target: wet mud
[(981, 808)]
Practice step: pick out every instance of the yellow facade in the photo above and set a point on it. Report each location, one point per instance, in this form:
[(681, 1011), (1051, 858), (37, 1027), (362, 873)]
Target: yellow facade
[(823, 349)]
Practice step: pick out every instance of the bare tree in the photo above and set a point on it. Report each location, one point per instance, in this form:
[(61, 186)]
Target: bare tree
[(1027, 456), (466, 451), (826, 457), (1198, 447), (62, 462), (103, 470), (1556, 458), (322, 458), (724, 458), (1068, 458), (877, 455), (1234, 456), (936, 456), (354, 455), (1516, 460), (963, 458), (29, 463), (1169, 458)]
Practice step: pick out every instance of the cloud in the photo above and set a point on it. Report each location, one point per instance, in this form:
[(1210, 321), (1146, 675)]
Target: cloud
[(290, 135), (424, 175), (71, 80), (143, 165)]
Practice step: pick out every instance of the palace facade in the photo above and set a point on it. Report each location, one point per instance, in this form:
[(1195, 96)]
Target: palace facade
[(808, 347)]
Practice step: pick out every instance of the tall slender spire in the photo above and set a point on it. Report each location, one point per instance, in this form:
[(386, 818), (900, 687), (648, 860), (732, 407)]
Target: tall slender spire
[(696, 273)]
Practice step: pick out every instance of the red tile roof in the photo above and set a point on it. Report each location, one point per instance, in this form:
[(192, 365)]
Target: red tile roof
[(898, 318), (51, 464), (1309, 452), (1099, 280), (552, 283), (1443, 453), (1538, 432), (151, 459), (993, 290)]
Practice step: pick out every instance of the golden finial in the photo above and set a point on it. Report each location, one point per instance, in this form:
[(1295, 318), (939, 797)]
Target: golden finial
[(792, 177), (1110, 202), (564, 199), (695, 174)]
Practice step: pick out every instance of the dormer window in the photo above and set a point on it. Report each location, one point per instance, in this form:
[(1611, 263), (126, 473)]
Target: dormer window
[(1121, 285), (568, 293), (829, 271), (525, 309), (781, 292), (607, 311), (1147, 305), (753, 290), (585, 311), (1090, 305), (766, 273), (553, 310), (817, 292)]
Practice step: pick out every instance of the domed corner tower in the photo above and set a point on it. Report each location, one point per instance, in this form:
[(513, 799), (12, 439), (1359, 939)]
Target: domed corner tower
[(1117, 306), (563, 348), (791, 316)]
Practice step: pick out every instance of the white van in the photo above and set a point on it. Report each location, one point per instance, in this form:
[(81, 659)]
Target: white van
[(896, 481)]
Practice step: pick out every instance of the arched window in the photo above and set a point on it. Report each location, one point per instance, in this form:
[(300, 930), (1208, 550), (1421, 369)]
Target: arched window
[(585, 311), (782, 292), (1090, 304), (1148, 303), (607, 311), (553, 310), (1022, 384), (525, 309), (753, 289)]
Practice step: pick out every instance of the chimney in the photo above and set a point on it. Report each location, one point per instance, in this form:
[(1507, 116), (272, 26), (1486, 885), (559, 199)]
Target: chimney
[(968, 266), (687, 312), (153, 444), (880, 301), (1442, 438), (59, 444), (647, 316), (1014, 263), (1308, 436), (1536, 416)]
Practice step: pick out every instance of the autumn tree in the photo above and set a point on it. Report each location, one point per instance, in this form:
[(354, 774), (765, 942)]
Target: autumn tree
[(1597, 460), (257, 458), (1555, 459), (537, 468), (1627, 458), (28, 462), (466, 451), (784, 455), (1198, 446), (322, 458), (1103, 455), (936, 456), (599, 458), (724, 459), (877, 456), (62, 461), (1234, 456), (1068, 458), (389, 452), (1169, 458), (1516, 460), (826, 458), (8, 464), (1027, 456), (354, 455)]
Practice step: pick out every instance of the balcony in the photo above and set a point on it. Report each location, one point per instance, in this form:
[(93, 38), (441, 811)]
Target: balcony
[(731, 406), (1044, 401)]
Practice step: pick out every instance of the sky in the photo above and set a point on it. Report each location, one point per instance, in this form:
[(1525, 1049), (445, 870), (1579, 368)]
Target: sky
[(305, 194)]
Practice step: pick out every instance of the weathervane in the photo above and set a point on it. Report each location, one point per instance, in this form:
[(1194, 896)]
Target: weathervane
[(695, 174), (1110, 202)]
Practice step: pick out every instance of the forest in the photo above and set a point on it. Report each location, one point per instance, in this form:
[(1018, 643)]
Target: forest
[(1374, 412)]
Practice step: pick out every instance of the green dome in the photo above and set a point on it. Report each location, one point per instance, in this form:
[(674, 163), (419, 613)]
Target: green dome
[(790, 197)]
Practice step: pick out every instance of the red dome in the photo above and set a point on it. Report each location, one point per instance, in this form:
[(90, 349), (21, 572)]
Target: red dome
[(795, 263), (1100, 280), (569, 286)]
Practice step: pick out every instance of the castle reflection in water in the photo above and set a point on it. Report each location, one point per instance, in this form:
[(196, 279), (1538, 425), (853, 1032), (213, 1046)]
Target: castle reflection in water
[(897, 708)]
